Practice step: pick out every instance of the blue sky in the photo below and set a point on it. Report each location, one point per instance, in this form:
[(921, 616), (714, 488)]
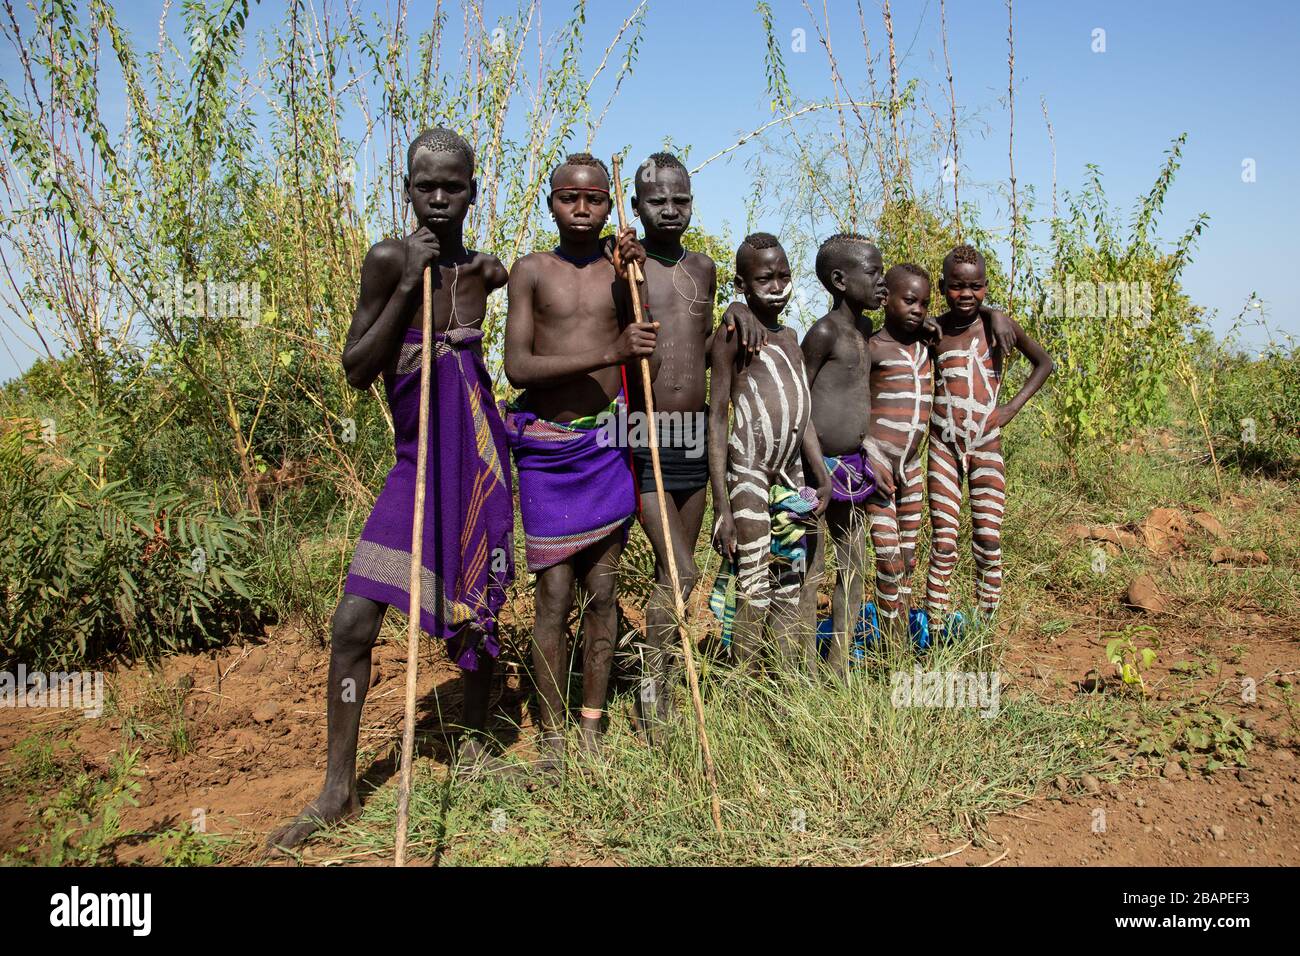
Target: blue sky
[(1222, 74)]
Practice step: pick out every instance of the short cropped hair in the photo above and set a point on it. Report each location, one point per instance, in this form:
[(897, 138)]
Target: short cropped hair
[(440, 140), (580, 159), (832, 252), (759, 240), (905, 269), (660, 161), (963, 253)]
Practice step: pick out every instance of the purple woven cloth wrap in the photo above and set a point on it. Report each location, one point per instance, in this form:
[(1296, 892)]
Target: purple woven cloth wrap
[(852, 479), (468, 556), (574, 489)]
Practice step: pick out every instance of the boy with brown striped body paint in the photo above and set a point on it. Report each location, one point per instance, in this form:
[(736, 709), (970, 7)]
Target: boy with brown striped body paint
[(965, 432), (902, 387)]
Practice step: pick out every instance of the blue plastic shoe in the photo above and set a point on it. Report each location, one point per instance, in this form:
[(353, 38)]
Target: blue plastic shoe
[(864, 635), (868, 631), (918, 626), (955, 629), (825, 632)]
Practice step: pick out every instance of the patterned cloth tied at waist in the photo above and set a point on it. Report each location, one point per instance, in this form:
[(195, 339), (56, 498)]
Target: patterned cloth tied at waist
[(468, 535), (574, 486)]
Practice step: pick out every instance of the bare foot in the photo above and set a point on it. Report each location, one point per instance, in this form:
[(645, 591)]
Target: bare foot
[(473, 762), (591, 740), (549, 765), (321, 812)]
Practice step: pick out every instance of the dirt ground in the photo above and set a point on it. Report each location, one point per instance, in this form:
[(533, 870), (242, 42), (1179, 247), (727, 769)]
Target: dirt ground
[(254, 719)]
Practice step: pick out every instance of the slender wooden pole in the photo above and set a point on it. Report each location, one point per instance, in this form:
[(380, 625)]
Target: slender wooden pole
[(633, 276), (417, 553)]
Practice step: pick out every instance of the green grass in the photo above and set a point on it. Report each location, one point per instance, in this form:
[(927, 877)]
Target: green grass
[(875, 783), (867, 780)]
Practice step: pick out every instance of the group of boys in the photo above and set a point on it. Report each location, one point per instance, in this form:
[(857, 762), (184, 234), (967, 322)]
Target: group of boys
[(850, 405)]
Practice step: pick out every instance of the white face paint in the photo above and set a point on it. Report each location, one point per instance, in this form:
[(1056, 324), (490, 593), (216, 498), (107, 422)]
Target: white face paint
[(778, 301)]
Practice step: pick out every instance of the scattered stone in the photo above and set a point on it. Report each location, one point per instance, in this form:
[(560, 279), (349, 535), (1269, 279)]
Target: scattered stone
[(266, 711), (1091, 783), (1218, 832), (1139, 802), (1143, 595), (1209, 524), (1267, 799), (1173, 771), (255, 661), (1226, 555), (1062, 784), (1164, 531)]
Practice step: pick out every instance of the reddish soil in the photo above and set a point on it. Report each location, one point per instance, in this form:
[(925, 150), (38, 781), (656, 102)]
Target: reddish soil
[(255, 724)]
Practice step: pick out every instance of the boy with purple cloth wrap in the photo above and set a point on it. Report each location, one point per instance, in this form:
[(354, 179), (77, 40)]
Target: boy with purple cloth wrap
[(567, 342), (467, 560)]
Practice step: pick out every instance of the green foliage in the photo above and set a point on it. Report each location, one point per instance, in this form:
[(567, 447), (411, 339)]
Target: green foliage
[(38, 760), (89, 570), (1255, 410), (1111, 312), (81, 824), (1134, 661), (1208, 739), (185, 846)]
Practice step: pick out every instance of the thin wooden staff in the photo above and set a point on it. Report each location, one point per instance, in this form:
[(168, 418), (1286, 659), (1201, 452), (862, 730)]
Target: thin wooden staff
[(417, 553), (633, 277)]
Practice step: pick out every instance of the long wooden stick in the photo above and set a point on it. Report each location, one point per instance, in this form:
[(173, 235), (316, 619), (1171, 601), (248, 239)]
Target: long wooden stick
[(634, 276), (417, 553)]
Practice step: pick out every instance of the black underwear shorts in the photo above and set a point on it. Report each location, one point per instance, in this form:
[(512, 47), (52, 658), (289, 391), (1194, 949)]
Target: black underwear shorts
[(685, 464)]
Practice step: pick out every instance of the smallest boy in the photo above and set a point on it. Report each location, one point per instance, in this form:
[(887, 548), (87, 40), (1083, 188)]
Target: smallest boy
[(756, 467), (965, 432), (902, 385)]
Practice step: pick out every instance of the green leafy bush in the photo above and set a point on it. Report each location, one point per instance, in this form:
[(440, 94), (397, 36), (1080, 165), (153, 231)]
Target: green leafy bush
[(1255, 411), (91, 570), (1112, 313)]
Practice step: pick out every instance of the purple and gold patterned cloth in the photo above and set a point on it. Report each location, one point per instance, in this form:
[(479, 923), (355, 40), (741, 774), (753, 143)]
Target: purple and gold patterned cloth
[(575, 487), (852, 479), (468, 557)]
